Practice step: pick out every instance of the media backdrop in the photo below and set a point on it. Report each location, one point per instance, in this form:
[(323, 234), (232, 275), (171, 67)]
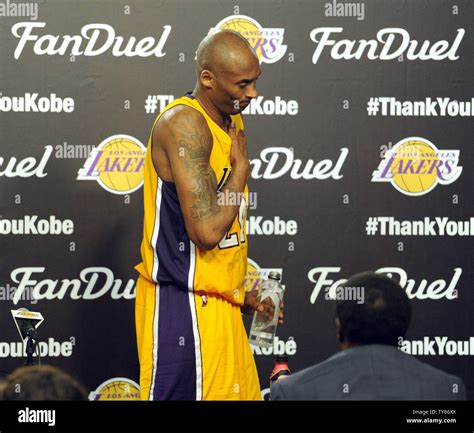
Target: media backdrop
[(362, 159)]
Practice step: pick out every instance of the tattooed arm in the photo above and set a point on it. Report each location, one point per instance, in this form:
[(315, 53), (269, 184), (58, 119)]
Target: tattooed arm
[(183, 136)]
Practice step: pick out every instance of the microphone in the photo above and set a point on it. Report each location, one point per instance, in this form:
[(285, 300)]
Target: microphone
[(27, 322), (31, 332)]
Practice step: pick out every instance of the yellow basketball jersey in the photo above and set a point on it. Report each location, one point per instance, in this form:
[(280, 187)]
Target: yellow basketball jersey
[(168, 255)]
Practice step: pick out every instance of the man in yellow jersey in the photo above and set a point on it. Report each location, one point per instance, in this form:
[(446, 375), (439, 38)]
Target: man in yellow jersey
[(190, 294)]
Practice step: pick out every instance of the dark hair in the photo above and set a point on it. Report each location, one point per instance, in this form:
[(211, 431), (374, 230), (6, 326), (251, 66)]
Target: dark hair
[(43, 383), (382, 318)]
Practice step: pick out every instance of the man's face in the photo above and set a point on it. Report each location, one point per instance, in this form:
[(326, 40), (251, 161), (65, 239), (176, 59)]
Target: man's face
[(235, 87)]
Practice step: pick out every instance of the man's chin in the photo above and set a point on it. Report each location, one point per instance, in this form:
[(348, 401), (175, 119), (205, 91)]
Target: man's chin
[(240, 109)]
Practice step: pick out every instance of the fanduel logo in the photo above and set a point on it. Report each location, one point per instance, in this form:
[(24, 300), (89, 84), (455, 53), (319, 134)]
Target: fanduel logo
[(278, 161), (26, 167), (87, 43), (256, 225), (436, 290), (390, 44), (89, 278)]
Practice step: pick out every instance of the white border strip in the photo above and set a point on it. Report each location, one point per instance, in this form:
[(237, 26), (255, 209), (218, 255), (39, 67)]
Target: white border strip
[(192, 304), (154, 273)]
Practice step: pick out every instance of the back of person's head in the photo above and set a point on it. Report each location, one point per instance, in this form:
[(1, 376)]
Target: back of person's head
[(383, 316), (43, 383)]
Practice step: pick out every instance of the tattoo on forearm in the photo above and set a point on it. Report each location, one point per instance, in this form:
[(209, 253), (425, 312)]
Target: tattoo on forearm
[(196, 150), (204, 189)]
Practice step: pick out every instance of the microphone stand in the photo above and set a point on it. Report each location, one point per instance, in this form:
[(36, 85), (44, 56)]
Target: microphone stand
[(30, 345)]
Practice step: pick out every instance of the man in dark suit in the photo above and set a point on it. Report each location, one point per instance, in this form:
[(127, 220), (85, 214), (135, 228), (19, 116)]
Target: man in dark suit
[(369, 365)]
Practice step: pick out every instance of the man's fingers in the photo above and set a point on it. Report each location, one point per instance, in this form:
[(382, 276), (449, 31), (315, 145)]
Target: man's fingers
[(269, 306), (261, 309), (268, 301)]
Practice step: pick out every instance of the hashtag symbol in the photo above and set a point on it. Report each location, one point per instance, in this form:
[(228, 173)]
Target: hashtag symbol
[(151, 104), (373, 106), (372, 226)]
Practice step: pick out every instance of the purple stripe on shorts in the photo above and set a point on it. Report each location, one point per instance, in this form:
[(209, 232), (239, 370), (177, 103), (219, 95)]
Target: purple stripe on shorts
[(175, 377), (175, 372)]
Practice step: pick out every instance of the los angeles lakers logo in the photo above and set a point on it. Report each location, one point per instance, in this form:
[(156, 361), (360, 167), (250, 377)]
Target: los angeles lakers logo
[(118, 388), (116, 164), (414, 166), (266, 42), (256, 275)]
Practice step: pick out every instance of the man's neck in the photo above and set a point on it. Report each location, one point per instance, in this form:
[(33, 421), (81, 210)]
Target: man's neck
[(222, 120)]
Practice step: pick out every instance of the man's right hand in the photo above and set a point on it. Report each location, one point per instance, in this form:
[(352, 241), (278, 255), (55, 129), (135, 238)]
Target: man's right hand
[(238, 153)]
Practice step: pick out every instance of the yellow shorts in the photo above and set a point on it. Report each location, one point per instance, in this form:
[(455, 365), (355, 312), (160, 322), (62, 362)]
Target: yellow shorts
[(192, 347)]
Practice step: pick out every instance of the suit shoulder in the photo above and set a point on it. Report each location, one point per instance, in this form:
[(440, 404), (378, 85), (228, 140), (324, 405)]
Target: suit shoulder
[(430, 370), (317, 371)]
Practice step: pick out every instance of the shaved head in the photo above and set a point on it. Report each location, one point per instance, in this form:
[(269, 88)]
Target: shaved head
[(224, 51), (227, 71)]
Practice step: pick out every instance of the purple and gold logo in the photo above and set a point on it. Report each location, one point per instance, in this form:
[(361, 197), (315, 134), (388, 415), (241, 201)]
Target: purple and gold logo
[(256, 275), (118, 388), (414, 166), (266, 42), (116, 164)]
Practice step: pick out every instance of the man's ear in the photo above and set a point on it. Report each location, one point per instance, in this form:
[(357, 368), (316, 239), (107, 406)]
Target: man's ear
[(207, 78), (339, 333)]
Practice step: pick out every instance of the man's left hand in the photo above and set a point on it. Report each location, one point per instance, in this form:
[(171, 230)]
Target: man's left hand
[(265, 307)]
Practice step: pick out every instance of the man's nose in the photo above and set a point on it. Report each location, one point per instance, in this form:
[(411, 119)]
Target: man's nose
[(251, 91)]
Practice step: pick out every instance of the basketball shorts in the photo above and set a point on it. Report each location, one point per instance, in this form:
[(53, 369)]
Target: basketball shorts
[(192, 347)]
